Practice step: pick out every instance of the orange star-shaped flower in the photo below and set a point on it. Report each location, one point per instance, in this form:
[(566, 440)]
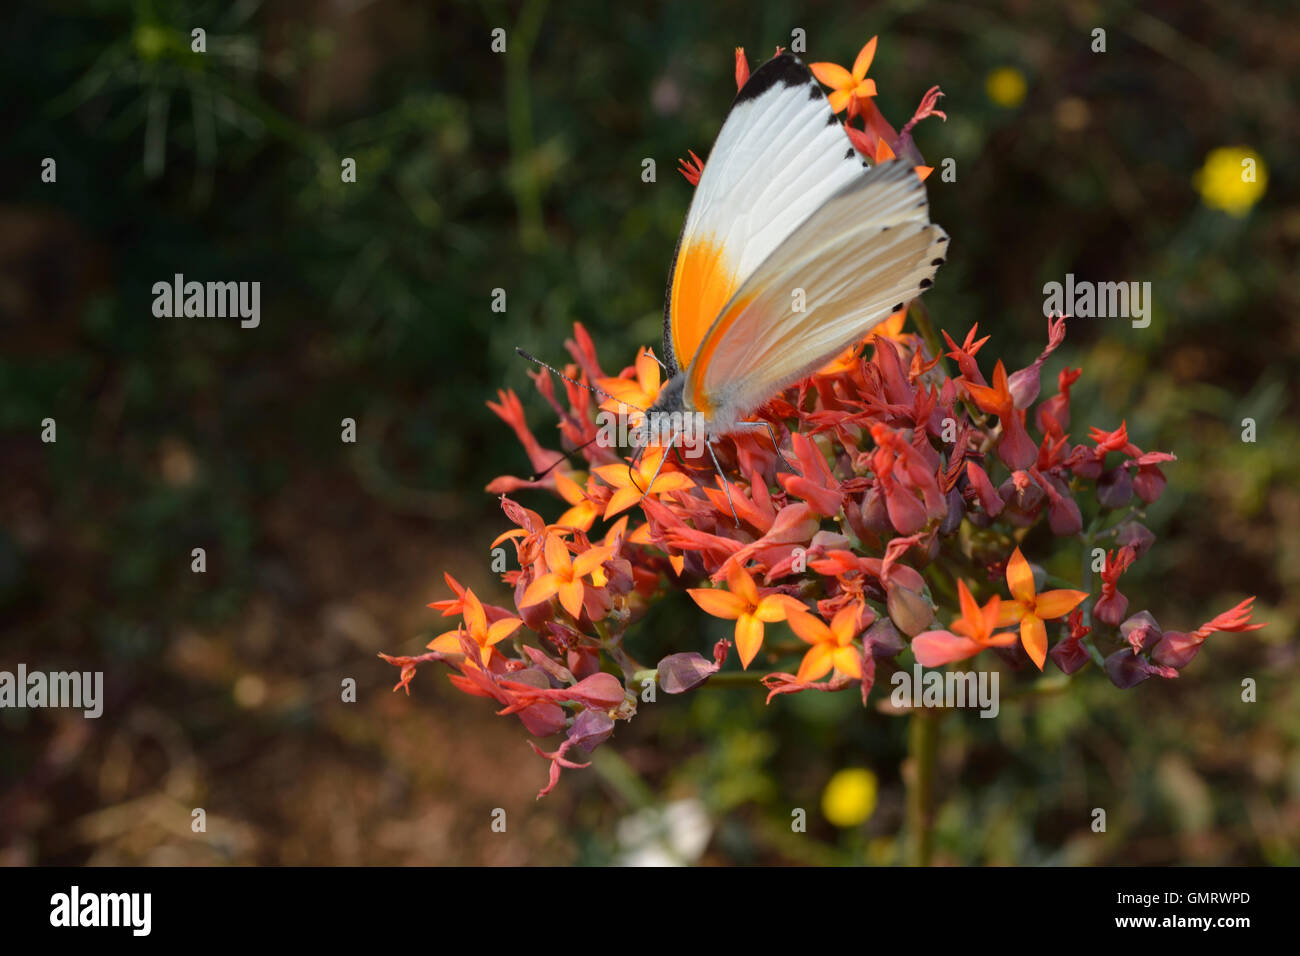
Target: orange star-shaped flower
[(565, 575), (967, 635), (1032, 609), (584, 511), (632, 396), (831, 646), (482, 633), (631, 484), (849, 87), (741, 603)]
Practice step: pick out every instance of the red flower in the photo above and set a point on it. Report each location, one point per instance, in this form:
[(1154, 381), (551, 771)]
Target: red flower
[(1111, 606)]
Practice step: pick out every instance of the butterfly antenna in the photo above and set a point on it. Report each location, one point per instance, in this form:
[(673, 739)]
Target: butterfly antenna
[(564, 456), (591, 388), (726, 485), (632, 474)]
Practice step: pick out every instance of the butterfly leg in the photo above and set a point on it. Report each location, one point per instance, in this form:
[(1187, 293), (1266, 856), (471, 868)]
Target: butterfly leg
[(636, 456), (771, 434), (726, 485), (655, 477)]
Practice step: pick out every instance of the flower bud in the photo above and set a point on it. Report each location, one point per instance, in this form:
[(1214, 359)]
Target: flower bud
[(1149, 483), (1133, 534), (875, 517), (1115, 487), (910, 610), (883, 639), (591, 728)]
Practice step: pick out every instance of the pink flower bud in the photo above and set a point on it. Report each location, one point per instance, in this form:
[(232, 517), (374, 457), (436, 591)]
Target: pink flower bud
[(908, 609)]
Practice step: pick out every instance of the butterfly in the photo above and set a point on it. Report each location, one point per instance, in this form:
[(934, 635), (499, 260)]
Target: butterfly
[(793, 248)]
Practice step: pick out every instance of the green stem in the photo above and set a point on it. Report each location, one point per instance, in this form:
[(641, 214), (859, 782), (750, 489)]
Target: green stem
[(923, 748)]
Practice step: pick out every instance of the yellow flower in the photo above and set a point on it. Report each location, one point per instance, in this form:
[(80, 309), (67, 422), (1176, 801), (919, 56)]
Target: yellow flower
[(1232, 179), (850, 797), (1006, 86)]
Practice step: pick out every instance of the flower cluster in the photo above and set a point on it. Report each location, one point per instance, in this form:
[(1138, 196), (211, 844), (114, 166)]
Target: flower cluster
[(918, 488)]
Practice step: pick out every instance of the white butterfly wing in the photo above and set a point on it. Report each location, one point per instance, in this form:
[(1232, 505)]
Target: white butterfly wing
[(780, 155), (869, 249)]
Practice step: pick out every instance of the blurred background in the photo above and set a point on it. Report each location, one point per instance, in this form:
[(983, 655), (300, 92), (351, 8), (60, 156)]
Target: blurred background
[(477, 170)]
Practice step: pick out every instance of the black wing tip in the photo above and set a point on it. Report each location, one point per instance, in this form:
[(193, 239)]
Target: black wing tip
[(786, 69)]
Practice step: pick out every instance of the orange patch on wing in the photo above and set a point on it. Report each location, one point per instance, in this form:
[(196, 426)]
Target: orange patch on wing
[(702, 284), (700, 367)]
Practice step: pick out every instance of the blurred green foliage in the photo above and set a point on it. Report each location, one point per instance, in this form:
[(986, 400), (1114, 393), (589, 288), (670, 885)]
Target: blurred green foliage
[(522, 171)]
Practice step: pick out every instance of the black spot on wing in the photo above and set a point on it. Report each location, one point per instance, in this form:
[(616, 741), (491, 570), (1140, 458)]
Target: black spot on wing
[(926, 283), (832, 120), (896, 308), (936, 262), (849, 154), (786, 69)]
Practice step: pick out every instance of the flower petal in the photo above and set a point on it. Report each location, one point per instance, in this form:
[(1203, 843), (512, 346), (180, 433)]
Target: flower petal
[(569, 489), (749, 638), (1020, 579), (670, 481), (847, 661), (815, 663), (571, 597), (557, 553), (718, 602), (809, 629), (936, 648), (775, 607), (621, 500), (832, 75), (500, 630), (864, 58), (1033, 635), (543, 589), (590, 560), (1052, 604), (1008, 613), (475, 619), (840, 99), (742, 585), (448, 643), (616, 476)]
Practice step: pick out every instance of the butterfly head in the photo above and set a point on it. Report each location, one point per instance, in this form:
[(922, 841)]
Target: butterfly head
[(671, 396)]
